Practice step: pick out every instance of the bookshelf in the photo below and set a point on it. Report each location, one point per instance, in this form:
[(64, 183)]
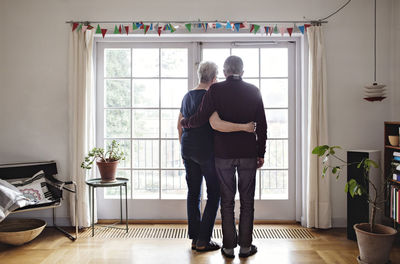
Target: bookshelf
[(391, 128)]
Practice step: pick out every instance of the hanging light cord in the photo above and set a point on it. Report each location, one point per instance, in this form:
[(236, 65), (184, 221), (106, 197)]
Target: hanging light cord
[(334, 13)]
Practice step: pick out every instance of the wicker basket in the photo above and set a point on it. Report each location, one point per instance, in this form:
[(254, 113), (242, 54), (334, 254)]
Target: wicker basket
[(20, 231)]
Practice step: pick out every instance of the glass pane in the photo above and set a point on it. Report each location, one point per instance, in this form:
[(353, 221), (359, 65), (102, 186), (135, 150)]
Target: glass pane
[(274, 184), (145, 153), (169, 120), (174, 62), (171, 154), (145, 184), (118, 123), (145, 93), (172, 92), (117, 93), (276, 156), (250, 59), (114, 192), (173, 184), (125, 146), (277, 121), (145, 123), (218, 56), (252, 81), (117, 62), (145, 62), (275, 92), (274, 62)]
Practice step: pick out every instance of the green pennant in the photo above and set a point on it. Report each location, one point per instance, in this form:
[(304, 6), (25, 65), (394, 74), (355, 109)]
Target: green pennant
[(116, 31), (189, 27), (80, 27), (256, 28), (276, 29), (172, 28), (98, 29), (134, 27)]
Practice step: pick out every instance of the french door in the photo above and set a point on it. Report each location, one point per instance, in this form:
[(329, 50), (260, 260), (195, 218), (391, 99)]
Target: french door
[(140, 86)]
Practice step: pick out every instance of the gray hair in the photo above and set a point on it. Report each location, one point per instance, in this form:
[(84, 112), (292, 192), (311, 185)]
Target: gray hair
[(233, 65), (207, 71)]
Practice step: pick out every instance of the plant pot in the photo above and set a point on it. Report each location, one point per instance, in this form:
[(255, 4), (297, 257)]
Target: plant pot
[(374, 247), (107, 170)]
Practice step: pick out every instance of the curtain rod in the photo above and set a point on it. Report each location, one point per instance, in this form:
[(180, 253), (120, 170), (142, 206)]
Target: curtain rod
[(202, 21)]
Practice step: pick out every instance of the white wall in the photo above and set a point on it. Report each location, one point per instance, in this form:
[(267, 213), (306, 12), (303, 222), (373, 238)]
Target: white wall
[(395, 52), (33, 100)]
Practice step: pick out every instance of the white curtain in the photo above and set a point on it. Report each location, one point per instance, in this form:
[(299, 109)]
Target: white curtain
[(318, 213), (81, 117)]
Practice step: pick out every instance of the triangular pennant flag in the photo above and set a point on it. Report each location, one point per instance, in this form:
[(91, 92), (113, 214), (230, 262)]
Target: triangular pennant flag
[(245, 24), (89, 27), (74, 26), (127, 29), (151, 27), (306, 26), (242, 25), (218, 25), (103, 32), (271, 29), (172, 28), (266, 30), (276, 29), (141, 25), (290, 30), (199, 25), (134, 26), (205, 26), (146, 28), (256, 28), (98, 29), (228, 25), (189, 27), (80, 27), (282, 30), (138, 25), (301, 29), (251, 28), (237, 26), (84, 28), (120, 29), (116, 31), (159, 30)]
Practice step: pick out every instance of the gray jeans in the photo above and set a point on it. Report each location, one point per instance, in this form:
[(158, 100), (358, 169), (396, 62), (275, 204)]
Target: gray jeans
[(246, 169)]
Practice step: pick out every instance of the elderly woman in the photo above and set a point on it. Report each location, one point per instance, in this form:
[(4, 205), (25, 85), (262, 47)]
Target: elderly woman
[(198, 158)]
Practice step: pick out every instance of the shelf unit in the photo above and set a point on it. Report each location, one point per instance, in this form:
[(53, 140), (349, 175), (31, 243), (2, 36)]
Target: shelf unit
[(391, 128)]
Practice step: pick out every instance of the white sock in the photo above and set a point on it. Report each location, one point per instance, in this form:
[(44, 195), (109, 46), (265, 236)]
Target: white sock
[(245, 250), (229, 251)]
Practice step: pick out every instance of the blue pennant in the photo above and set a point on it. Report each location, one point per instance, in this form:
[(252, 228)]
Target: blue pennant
[(237, 26), (151, 26), (218, 25), (301, 29), (228, 25)]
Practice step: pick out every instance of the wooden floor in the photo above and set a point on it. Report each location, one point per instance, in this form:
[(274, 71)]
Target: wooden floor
[(330, 246)]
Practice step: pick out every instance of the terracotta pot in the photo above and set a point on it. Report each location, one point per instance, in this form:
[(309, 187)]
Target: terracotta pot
[(107, 170), (374, 247)]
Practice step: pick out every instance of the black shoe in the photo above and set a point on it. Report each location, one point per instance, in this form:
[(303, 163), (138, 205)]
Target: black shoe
[(253, 250), (210, 246), (226, 255)]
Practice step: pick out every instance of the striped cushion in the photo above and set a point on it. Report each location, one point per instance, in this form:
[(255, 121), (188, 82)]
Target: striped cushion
[(35, 188)]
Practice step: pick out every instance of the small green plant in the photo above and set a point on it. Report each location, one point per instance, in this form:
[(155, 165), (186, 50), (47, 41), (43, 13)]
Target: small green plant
[(375, 198), (113, 153)]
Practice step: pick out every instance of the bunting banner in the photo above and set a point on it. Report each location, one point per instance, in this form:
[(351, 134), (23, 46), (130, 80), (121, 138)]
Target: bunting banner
[(242, 27)]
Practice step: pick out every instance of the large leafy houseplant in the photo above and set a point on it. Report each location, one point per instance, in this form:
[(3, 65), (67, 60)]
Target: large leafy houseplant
[(106, 160)]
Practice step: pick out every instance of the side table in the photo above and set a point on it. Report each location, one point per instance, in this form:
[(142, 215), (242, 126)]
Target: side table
[(97, 183)]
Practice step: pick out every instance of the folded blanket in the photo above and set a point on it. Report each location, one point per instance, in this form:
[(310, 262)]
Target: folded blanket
[(11, 199)]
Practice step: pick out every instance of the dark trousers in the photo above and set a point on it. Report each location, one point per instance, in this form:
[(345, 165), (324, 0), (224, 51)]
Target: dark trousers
[(246, 169), (201, 227)]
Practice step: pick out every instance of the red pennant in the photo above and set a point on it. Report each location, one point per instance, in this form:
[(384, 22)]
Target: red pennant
[(159, 31), (126, 29), (251, 28), (74, 26), (289, 30), (271, 30), (146, 28), (306, 26), (89, 27), (103, 32), (142, 25), (165, 27), (120, 29), (242, 25)]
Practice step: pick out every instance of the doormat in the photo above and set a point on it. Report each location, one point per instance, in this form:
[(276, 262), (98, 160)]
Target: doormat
[(180, 232)]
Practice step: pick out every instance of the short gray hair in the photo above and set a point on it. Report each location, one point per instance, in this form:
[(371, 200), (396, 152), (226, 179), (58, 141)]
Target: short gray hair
[(233, 65), (207, 71)]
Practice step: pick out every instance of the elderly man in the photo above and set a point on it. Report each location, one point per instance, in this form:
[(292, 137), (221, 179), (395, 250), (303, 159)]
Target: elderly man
[(238, 102)]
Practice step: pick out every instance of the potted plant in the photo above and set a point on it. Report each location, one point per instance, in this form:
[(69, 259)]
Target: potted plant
[(374, 240), (107, 161)]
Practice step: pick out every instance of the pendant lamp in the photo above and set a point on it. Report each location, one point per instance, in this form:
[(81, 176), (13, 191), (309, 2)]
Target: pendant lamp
[(375, 92)]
